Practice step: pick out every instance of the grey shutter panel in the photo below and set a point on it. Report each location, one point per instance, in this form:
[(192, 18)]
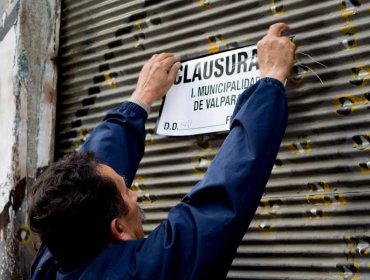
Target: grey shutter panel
[(313, 221)]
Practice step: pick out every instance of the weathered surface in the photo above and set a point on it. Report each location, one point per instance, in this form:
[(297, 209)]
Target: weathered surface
[(33, 89), (7, 114), (7, 149)]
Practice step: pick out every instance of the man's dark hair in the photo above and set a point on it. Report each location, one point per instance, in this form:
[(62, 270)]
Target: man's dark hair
[(71, 208)]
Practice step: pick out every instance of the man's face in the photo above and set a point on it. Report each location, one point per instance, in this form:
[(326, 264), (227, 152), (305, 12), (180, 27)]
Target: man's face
[(133, 219)]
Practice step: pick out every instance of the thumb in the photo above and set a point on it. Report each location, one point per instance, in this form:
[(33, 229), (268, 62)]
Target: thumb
[(277, 29), (173, 72)]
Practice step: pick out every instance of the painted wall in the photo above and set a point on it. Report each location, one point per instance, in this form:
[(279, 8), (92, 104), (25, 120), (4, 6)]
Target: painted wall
[(8, 139), (7, 114), (28, 48)]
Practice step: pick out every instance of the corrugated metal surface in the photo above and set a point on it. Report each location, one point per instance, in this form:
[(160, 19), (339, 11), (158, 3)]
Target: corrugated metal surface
[(314, 220)]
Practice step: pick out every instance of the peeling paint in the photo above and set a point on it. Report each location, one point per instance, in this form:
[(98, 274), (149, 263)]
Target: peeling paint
[(27, 109), (49, 84), (7, 114), (23, 71)]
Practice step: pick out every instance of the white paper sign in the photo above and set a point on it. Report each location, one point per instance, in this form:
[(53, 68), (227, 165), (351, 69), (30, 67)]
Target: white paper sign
[(205, 92)]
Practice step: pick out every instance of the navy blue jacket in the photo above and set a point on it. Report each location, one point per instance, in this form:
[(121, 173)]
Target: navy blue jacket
[(201, 235)]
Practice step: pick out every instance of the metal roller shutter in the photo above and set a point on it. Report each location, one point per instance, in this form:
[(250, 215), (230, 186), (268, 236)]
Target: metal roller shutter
[(313, 222)]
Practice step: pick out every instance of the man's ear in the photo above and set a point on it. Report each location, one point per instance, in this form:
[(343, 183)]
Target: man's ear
[(118, 230)]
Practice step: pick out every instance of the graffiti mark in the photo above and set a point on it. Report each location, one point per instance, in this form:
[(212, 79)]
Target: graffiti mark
[(139, 21), (24, 234), (271, 203), (367, 97), (349, 271), (146, 198), (77, 145), (205, 3), (300, 147), (316, 213), (202, 163), (277, 7), (139, 38), (319, 187), (360, 75), (328, 200), (349, 8), (299, 72), (349, 103), (321, 199), (217, 42), (203, 142), (358, 245), (148, 23), (349, 29), (138, 186), (350, 43), (264, 227), (347, 106), (361, 142), (84, 133), (268, 208), (150, 137), (364, 167), (110, 79)]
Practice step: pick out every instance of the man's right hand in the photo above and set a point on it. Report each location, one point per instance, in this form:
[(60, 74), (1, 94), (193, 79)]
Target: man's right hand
[(156, 78), (276, 53)]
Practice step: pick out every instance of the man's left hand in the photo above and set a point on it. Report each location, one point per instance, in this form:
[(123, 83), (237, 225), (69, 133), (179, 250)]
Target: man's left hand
[(156, 77)]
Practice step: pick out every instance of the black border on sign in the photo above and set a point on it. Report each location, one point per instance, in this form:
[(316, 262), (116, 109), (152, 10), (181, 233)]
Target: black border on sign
[(186, 60)]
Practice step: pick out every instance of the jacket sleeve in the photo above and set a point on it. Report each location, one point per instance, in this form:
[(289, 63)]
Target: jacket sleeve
[(201, 235), (118, 141)]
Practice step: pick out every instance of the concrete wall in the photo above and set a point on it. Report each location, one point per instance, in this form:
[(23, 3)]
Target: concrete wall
[(27, 115), (8, 140), (7, 113)]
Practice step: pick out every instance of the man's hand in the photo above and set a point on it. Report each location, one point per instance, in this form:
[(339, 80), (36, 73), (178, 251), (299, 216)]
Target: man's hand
[(276, 53), (156, 78)]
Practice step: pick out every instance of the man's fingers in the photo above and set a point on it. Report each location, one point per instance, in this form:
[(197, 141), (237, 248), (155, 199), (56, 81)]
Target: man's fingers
[(173, 72), (161, 57), (277, 29), (169, 62)]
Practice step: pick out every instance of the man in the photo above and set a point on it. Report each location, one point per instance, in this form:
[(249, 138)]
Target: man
[(87, 216)]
